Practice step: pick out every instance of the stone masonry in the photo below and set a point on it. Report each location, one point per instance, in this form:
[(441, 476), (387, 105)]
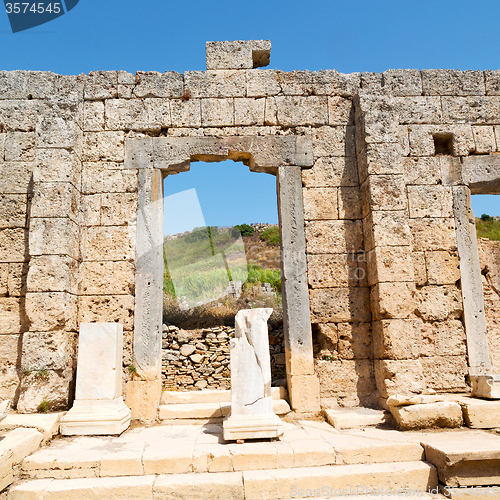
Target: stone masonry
[(373, 173)]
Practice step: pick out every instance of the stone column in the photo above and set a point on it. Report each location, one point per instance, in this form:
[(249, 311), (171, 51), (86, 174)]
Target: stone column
[(303, 384)]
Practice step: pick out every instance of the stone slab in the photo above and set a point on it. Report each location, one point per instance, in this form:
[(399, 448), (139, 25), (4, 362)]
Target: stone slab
[(46, 423), (428, 415), (349, 418), (21, 442), (208, 396), (480, 414)]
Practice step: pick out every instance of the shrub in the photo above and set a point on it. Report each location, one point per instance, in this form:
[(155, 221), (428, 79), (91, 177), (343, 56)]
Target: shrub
[(486, 217), (243, 229), (271, 235), (489, 228)]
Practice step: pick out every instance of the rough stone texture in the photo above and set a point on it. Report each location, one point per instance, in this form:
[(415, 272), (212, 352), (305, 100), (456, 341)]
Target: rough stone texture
[(422, 416)]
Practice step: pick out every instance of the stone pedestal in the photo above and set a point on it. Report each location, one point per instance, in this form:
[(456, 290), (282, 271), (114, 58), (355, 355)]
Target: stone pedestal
[(485, 386), (98, 406), (252, 415)]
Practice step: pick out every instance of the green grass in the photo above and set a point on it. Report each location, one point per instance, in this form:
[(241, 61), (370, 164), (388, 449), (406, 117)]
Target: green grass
[(257, 274), (271, 235), (488, 228)]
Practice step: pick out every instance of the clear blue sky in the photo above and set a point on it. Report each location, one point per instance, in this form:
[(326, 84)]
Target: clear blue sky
[(347, 35)]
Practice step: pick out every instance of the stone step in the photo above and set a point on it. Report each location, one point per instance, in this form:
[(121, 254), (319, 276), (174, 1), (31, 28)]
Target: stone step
[(183, 449), (331, 481), (209, 396), (209, 410)]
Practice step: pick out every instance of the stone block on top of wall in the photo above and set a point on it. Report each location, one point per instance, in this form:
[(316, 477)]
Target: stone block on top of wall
[(443, 267), (57, 89), (217, 112), (19, 146), (108, 243), (262, 83), (333, 305), (101, 85), (249, 111), (55, 199), (93, 116), (16, 178), (154, 84), (443, 338), (58, 165), (439, 303), (386, 228), (118, 209), (53, 273), (238, 54), (12, 318), (484, 135), (14, 84), (393, 300), (53, 236), (336, 270), (445, 373), (320, 203), (433, 234), (402, 82), (220, 84), (13, 245), (108, 177), (396, 339), (20, 116), (13, 209), (334, 236), (399, 376), (333, 141), (430, 201), (104, 146), (296, 82), (452, 82), (107, 308), (477, 110), (185, 112), (106, 278), (492, 81), (299, 110), (331, 172), (389, 264), (49, 350), (331, 82), (48, 311), (422, 140)]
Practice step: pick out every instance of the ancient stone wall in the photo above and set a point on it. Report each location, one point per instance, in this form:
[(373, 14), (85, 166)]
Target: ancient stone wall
[(390, 154)]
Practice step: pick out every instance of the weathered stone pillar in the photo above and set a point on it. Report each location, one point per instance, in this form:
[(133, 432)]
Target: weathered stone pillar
[(303, 384)]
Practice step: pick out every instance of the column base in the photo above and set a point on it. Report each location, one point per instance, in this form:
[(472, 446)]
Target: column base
[(252, 427), (485, 386), (96, 417)]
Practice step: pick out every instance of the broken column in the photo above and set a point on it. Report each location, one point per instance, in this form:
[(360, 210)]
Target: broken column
[(252, 415), (98, 406)]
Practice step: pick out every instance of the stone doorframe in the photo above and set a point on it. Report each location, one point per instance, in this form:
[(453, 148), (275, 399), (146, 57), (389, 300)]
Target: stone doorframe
[(157, 157)]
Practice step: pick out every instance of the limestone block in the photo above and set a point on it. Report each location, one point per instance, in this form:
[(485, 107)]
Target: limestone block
[(2, 146), (118, 209), (351, 382), (435, 170), (320, 203), (10, 350), (13, 210), (249, 111), (333, 141), (217, 112), (349, 418), (158, 113), (331, 82), (13, 245), (422, 142), (12, 319), (304, 392), (384, 158), (16, 281), (387, 192), (104, 146), (93, 116), (492, 82), (396, 339), (393, 300), (21, 442), (386, 228), (443, 338), (216, 84), (376, 126), (298, 110), (51, 236), (90, 206), (107, 177), (55, 199), (332, 305), (19, 146), (438, 303), (389, 264), (58, 165), (349, 203), (48, 390), (154, 84), (252, 415), (262, 83), (445, 373), (56, 132), (443, 268), (271, 112), (480, 414), (11, 380), (186, 113), (47, 350), (108, 243), (331, 172), (429, 415), (412, 110), (143, 398), (125, 113), (484, 136), (394, 376), (50, 311), (14, 84), (6, 472), (342, 236), (453, 82), (106, 278), (101, 85), (4, 280), (56, 89), (354, 341), (478, 110), (403, 82), (20, 115), (118, 308), (336, 270), (419, 269), (15, 178), (239, 54), (432, 234), (430, 201), (295, 82)]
